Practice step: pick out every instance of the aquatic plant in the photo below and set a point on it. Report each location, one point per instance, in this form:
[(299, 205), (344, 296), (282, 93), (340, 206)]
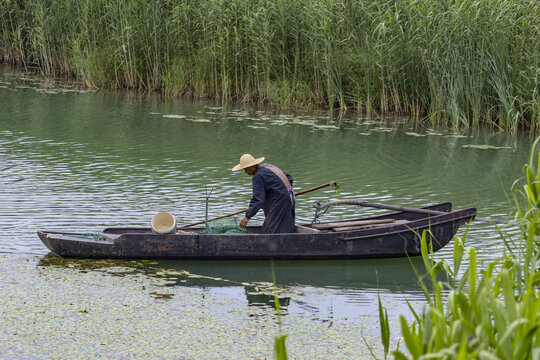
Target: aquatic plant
[(480, 313), (461, 63), (280, 347), (531, 196)]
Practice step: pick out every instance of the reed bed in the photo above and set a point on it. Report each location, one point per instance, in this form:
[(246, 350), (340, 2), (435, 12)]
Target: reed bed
[(488, 311), (461, 63)]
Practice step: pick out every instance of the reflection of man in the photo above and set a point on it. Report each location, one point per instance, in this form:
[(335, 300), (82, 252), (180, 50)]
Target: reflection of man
[(272, 191), (257, 297)]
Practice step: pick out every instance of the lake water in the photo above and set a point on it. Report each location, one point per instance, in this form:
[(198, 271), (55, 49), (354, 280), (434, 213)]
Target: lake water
[(82, 161)]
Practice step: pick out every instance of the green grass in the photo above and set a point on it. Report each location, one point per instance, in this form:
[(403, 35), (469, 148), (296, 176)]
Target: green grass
[(461, 63), (485, 311), (280, 346)]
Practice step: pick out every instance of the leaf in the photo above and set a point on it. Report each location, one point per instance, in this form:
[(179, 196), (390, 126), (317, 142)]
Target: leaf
[(472, 273), (462, 353), (509, 297), (410, 337), (524, 344), (505, 342), (398, 355), (280, 351), (459, 249), (529, 193), (385, 328)]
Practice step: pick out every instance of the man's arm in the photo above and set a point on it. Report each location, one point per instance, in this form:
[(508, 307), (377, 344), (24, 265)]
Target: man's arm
[(257, 200)]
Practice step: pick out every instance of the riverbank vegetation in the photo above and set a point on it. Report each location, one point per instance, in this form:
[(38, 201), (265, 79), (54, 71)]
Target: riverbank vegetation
[(492, 313), (460, 63)]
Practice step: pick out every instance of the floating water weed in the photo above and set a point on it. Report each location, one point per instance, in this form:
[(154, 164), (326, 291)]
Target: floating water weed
[(486, 147), (174, 116)]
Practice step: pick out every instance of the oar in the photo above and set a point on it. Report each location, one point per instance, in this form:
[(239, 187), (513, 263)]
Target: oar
[(398, 208), (244, 210)]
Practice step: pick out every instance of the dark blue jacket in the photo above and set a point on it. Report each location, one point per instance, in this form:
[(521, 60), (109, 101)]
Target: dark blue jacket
[(270, 194)]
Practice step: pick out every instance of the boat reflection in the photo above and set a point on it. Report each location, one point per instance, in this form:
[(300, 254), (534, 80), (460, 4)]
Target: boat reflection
[(355, 280), (349, 274)]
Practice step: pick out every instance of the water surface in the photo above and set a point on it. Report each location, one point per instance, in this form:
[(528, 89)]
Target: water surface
[(82, 161)]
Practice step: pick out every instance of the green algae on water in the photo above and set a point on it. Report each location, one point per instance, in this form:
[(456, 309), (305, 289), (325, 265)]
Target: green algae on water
[(59, 308)]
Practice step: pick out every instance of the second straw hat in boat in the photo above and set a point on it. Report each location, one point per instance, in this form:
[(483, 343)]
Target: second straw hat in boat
[(246, 161)]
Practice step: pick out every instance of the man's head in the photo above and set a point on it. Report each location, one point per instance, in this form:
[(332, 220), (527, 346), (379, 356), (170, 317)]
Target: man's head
[(249, 164), (251, 170)]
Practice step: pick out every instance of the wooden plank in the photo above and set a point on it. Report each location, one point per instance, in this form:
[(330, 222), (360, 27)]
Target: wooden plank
[(304, 229), (352, 223), (371, 226), (428, 212)]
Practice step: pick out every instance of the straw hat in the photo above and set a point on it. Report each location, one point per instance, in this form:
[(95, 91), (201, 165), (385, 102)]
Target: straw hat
[(246, 161)]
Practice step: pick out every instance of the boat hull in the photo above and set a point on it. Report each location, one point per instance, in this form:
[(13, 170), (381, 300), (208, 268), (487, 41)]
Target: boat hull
[(393, 240)]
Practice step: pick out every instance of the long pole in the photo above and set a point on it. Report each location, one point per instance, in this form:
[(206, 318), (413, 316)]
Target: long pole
[(399, 208), (244, 210)]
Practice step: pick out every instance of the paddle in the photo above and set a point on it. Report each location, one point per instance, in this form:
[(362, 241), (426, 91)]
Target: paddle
[(244, 210), (398, 208)]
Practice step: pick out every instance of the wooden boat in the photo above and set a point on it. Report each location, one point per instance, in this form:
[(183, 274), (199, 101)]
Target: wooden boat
[(395, 234)]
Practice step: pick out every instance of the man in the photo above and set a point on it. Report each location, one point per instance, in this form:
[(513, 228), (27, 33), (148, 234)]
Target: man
[(272, 191)]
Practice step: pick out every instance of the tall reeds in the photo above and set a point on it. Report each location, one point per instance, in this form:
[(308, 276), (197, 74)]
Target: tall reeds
[(459, 62), (483, 312)]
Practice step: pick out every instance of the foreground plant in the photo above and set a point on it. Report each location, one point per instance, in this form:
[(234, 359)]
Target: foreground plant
[(492, 313), (280, 348)]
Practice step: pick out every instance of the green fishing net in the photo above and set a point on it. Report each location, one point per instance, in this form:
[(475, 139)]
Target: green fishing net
[(88, 236), (224, 226)]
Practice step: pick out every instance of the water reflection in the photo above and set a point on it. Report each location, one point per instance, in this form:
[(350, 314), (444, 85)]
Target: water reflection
[(348, 274), (341, 288), (396, 273)]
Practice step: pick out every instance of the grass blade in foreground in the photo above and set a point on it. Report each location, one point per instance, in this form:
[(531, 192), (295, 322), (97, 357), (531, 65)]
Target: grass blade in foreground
[(280, 349)]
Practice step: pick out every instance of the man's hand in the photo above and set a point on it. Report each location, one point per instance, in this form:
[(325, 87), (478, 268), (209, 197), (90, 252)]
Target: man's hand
[(243, 222)]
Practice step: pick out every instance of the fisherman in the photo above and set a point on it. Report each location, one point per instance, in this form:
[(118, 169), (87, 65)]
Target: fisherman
[(272, 191)]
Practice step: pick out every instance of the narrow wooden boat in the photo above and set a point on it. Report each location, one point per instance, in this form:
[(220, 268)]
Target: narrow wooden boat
[(396, 234)]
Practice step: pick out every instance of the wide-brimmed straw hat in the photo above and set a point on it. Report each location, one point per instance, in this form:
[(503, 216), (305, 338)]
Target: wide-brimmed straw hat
[(246, 161)]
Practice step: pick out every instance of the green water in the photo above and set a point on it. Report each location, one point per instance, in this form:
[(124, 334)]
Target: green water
[(81, 161)]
